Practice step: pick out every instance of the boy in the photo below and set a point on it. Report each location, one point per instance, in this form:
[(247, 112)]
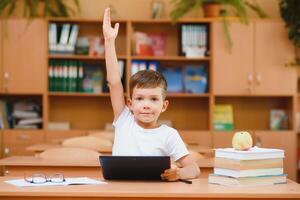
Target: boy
[(136, 129)]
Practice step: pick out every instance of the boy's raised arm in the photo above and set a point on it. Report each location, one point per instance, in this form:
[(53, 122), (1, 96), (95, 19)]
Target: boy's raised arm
[(112, 68)]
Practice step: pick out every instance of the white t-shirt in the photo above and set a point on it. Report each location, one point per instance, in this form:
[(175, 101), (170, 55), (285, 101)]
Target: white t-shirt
[(133, 140)]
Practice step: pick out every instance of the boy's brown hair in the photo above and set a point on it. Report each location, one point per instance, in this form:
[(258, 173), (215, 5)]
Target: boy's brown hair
[(148, 79)]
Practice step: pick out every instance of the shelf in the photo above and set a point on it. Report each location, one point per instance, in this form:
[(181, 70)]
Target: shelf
[(159, 58), (169, 21), (78, 94), (81, 20), (252, 130), (187, 95), (252, 95), (83, 113), (25, 94), (80, 57), (145, 21), (169, 58), (253, 113)]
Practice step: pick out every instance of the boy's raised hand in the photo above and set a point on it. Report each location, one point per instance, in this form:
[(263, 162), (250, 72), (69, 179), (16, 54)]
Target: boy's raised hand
[(109, 32)]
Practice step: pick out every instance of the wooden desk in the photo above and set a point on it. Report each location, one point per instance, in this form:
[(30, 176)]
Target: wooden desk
[(39, 148), (200, 189), (18, 165)]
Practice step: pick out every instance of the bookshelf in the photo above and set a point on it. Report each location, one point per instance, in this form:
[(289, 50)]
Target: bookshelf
[(239, 79)]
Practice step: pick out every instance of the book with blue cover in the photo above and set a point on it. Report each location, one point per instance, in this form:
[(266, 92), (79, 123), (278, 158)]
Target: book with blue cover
[(173, 76), (195, 79)]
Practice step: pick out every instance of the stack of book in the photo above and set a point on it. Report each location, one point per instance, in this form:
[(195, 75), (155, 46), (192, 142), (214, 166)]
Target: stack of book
[(257, 166), (26, 115)]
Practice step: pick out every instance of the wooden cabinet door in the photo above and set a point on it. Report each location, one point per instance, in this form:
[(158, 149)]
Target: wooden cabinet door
[(25, 56), (281, 140), (273, 51), (233, 70), (16, 141), (1, 56)]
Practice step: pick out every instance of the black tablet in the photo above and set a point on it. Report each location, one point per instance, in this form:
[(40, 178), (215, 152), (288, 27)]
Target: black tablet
[(134, 167)]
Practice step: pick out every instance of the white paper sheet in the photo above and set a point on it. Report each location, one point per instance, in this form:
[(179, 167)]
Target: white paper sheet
[(69, 181)]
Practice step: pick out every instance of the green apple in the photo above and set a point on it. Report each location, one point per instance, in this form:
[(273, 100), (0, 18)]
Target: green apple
[(242, 141)]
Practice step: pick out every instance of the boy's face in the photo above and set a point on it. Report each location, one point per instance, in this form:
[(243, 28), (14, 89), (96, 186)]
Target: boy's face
[(147, 104)]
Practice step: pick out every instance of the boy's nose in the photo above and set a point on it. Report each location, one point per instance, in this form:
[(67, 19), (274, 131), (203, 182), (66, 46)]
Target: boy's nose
[(146, 105)]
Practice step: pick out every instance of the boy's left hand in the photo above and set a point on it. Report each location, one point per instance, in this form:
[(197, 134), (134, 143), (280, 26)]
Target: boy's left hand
[(109, 32), (172, 174)]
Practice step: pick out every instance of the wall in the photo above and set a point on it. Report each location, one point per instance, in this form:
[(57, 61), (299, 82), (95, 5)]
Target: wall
[(141, 9)]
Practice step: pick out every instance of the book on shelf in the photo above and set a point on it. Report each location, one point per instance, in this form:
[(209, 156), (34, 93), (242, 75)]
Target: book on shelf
[(149, 44), (143, 44), (121, 64), (82, 46), (278, 119), (251, 154), (70, 47), (29, 121), (223, 117), (96, 47), (24, 114), (193, 40), (247, 181), (195, 79), (4, 123), (52, 37), (62, 126), (248, 172), (298, 158), (93, 80), (26, 106), (236, 164), (139, 65), (62, 38), (26, 126), (65, 76), (158, 43), (174, 78)]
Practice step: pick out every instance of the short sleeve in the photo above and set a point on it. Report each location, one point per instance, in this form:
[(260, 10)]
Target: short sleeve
[(175, 146), (123, 117)]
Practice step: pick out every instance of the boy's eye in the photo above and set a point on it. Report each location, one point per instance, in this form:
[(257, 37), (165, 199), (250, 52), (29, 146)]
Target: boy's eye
[(139, 98), (154, 99)]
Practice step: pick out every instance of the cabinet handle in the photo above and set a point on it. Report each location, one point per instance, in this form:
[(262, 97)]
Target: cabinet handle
[(258, 78), (23, 137), (5, 83), (250, 78), (6, 173), (5, 75), (6, 151), (250, 81)]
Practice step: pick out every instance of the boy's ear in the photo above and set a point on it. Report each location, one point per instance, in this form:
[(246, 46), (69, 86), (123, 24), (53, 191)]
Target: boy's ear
[(129, 103), (165, 106)]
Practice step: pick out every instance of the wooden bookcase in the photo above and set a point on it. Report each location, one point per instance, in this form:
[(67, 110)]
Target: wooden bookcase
[(252, 78)]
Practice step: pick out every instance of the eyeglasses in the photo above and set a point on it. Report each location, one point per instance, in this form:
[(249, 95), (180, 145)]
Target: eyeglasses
[(42, 178)]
